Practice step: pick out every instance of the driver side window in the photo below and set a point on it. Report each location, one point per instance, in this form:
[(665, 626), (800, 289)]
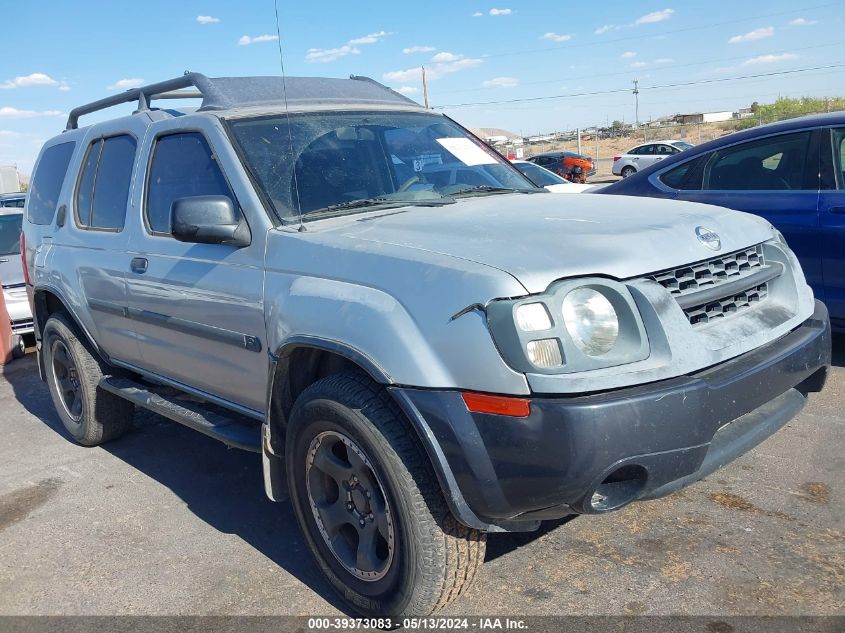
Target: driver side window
[(771, 164)]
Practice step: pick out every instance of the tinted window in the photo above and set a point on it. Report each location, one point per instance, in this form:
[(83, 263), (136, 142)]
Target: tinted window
[(686, 176), (47, 183), (539, 176), (183, 166), (839, 156), (12, 203), (666, 150), (10, 234), (114, 174), (84, 192), (771, 164), (644, 150)]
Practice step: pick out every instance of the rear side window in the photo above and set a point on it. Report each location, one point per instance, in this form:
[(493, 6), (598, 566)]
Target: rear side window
[(103, 191), (10, 234), (771, 164), (686, 176), (183, 166), (47, 183)]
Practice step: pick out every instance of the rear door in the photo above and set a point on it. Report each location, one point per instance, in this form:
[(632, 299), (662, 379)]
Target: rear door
[(775, 177), (832, 217), (645, 156), (199, 308)]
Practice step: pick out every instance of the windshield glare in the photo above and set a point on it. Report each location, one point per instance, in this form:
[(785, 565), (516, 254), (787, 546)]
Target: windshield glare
[(539, 176), (10, 234), (344, 158)]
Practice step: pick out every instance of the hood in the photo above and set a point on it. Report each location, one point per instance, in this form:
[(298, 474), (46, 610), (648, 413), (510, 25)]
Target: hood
[(540, 238)]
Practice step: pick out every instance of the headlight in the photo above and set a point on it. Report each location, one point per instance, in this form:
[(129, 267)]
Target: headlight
[(591, 321), (576, 325)]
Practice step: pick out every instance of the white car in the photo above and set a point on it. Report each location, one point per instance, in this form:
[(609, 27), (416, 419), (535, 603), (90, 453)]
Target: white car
[(646, 155), (11, 270), (542, 177)]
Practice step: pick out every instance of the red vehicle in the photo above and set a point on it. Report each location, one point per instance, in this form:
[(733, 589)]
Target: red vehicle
[(569, 165)]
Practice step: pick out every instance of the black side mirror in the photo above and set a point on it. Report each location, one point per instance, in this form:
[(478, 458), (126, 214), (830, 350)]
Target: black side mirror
[(208, 220)]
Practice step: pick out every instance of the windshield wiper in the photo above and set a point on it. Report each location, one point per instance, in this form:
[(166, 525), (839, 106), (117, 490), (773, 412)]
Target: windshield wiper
[(380, 202), (488, 189)]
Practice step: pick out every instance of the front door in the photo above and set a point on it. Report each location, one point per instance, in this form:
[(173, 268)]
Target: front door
[(198, 308), (832, 215)]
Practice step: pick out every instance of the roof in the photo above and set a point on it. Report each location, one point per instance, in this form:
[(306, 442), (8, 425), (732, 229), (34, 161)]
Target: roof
[(226, 93)]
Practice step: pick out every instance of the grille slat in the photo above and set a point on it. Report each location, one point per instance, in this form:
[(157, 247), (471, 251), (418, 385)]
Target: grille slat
[(728, 269)]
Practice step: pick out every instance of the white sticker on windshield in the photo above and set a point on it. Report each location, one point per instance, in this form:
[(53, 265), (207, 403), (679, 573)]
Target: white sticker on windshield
[(466, 151)]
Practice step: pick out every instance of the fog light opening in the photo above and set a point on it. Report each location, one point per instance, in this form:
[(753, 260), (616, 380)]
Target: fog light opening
[(619, 488)]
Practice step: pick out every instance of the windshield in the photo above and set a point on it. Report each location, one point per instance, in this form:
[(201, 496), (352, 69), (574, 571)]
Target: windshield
[(352, 162), (681, 145), (540, 176), (10, 234)]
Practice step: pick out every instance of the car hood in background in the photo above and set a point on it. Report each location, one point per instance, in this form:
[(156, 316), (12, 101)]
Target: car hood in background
[(539, 238)]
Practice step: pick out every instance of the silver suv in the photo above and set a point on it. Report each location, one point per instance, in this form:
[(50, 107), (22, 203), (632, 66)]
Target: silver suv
[(422, 346)]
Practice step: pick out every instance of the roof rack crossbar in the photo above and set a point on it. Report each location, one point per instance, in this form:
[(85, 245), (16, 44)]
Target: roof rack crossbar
[(143, 95)]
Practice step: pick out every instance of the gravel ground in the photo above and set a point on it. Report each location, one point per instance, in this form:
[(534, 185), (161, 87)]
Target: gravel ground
[(167, 521)]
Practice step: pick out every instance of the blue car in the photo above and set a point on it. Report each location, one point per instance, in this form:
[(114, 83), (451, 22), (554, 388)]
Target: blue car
[(792, 173)]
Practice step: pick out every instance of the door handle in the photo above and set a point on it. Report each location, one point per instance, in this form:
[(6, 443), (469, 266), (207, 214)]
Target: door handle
[(139, 265)]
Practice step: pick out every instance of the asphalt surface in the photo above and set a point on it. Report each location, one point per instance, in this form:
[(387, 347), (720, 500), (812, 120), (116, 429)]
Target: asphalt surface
[(167, 521)]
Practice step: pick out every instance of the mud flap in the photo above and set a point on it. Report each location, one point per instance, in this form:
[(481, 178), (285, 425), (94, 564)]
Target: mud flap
[(275, 480)]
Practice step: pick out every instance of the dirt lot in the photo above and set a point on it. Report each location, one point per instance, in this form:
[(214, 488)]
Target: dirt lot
[(167, 521)]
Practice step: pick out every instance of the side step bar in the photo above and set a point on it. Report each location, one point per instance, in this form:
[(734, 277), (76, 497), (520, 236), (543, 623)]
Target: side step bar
[(194, 415)]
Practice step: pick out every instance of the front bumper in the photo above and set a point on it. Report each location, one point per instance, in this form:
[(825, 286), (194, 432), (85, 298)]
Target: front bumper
[(597, 452), (17, 305)]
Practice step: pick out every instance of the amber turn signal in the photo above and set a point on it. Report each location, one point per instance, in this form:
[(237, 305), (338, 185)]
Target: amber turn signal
[(497, 405)]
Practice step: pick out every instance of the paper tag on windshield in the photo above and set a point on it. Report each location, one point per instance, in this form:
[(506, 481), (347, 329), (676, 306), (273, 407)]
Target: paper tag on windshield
[(466, 151)]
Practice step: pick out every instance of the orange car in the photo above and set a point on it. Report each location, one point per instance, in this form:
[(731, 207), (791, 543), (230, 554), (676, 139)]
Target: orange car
[(569, 165)]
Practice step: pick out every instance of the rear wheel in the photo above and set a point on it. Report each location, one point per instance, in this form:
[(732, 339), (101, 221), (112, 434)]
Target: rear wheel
[(92, 416), (628, 171), (369, 504)]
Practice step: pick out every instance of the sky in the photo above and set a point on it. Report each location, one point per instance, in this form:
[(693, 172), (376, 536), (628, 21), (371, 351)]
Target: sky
[(56, 55)]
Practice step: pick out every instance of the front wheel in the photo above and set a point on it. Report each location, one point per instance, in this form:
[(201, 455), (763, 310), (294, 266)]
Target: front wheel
[(369, 504), (628, 171)]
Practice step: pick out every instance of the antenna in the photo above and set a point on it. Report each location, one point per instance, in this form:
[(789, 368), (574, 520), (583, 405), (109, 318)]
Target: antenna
[(287, 113)]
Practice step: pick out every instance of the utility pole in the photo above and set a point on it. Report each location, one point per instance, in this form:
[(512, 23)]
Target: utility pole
[(636, 103), (425, 88)]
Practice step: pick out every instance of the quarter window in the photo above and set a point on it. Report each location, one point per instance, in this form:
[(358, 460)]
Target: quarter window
[(183, 166), (47, 183), (771, 164)]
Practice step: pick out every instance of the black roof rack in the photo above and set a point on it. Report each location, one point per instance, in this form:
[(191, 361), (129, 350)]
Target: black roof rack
[(228, 92)]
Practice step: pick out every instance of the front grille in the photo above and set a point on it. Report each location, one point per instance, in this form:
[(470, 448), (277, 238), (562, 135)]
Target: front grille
[(24, 325), (696, 286)]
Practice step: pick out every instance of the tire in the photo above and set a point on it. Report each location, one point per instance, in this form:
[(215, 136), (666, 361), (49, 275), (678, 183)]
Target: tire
[(628, 171), (427, 559), (18, 346), (73, 371)]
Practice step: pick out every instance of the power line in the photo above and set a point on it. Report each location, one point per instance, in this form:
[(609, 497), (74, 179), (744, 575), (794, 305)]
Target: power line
[(652, 87)]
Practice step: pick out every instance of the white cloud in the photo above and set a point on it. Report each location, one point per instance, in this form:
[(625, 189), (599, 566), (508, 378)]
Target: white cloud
[(418, 49), (64, 87), (14, 113), (408, 90), (126, 84), (372, 38), (802, 22), (664, 60), (445, 56), (477, 14), (555, 37), (753, 36), (27, 81), (639, 65), (769, 59), (444, 63), (501, 11), (501, 82), (207, 19), (9, 134), (325, 55), (628, 55), (246, 40), (606, 29), (655, 16)]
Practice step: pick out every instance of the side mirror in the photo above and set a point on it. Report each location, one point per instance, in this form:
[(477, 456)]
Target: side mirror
[(208, 220)]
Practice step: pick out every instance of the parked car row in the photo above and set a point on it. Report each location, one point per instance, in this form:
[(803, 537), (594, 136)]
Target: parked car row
[(646, 155)]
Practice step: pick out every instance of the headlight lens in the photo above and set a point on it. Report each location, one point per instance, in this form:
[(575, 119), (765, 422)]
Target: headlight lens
[(591, 321), (533, 317)]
